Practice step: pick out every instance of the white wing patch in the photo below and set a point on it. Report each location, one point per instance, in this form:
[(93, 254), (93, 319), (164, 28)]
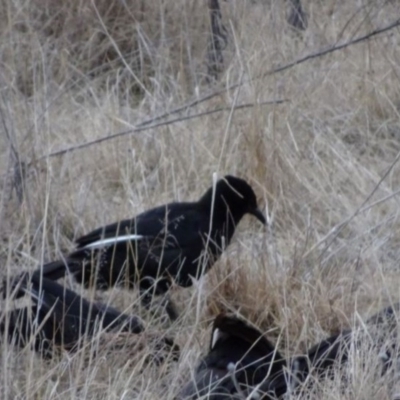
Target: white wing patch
[(110, 241), (217, 335)]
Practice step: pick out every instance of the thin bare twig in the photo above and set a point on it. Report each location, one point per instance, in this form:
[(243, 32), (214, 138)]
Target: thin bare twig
[(368, 10), (209, 96), (146, 124), (334, 232), (141, 128), (282, 68), (320, 53)]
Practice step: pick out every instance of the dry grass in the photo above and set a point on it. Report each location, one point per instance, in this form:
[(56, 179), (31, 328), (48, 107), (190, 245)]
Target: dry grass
[(75, 71)]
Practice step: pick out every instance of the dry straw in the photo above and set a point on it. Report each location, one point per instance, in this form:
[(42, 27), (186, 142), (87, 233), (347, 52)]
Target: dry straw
[(324, 164)]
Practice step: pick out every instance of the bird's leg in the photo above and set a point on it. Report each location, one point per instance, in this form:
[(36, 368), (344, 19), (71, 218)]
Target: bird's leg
[(170, 308), (150, 287), (232, 369), (166, 303), (146, 299)]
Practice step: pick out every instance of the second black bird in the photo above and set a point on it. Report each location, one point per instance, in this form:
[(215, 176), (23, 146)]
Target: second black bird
[(59, 317), (240, 357)]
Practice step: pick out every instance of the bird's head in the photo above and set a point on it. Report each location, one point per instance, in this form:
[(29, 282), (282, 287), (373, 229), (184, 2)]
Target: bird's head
[(239, 198)]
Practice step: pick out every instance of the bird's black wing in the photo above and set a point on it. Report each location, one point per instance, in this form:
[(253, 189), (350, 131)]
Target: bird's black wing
[(166, 241), (153, 223), (186, 247), (121, 228), (54, 270)]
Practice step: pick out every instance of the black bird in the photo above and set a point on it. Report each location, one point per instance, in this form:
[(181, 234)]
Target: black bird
[(242, 363), (59, 318), (172, 242), (239, 359)]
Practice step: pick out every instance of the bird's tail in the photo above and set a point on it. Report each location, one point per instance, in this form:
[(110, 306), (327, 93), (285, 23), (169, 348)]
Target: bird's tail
[(13, 287), (58, 269)]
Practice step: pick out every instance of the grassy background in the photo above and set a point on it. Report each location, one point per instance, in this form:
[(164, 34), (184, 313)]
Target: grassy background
[(76, 71)]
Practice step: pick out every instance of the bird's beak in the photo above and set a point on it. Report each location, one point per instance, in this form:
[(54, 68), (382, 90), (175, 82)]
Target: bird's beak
[(259, 215)]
